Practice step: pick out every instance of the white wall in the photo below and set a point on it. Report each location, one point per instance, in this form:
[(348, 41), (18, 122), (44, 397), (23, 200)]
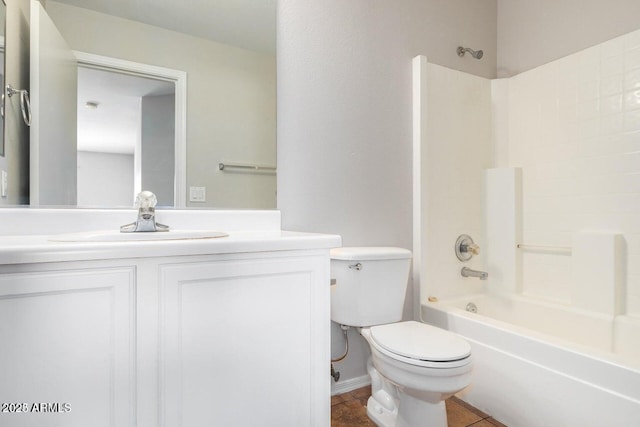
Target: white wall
[(230, 98), (344, 114), (532, 33), (574, 127), (455, 148), (105, 179)]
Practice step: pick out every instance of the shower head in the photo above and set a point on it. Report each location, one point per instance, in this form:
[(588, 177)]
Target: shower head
[(475, 53)]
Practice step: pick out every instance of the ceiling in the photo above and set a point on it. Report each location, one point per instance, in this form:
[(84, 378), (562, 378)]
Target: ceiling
[(113, 125), (250, 24)]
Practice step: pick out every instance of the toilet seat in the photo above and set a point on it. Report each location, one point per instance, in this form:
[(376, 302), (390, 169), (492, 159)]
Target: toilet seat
[(420, 344)]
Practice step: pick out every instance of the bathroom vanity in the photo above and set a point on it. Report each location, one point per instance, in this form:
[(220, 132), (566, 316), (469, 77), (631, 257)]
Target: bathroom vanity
[(230, 331)]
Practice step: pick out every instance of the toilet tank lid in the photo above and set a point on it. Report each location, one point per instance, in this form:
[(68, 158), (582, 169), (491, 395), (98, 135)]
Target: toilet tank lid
[(364, 253)]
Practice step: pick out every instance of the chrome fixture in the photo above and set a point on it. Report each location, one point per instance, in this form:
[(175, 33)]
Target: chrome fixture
[(146, 203), (335, 374), (25, 104), (465, 248), (477, 54), (357, 266), (247, 167), (467, 272), (471, 308)]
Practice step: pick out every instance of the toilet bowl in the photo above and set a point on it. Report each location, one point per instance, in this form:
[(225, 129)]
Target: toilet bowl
[(413, 366), (425, 364)]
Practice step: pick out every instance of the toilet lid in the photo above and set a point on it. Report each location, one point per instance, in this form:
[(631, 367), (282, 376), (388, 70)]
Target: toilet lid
[(420, 341)]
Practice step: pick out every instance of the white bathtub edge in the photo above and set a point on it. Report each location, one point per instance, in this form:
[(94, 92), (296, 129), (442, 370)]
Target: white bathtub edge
[(518, 377)]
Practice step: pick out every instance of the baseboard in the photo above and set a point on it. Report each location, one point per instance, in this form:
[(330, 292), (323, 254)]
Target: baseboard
[(350, 384)]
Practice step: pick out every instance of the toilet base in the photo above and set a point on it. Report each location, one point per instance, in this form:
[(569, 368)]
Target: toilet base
[(415, 413), (380, 415), (382, 406), (389, 407), (410, 412)]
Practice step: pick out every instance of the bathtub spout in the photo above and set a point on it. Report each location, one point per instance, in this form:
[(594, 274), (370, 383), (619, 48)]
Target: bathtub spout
[(467, 272)]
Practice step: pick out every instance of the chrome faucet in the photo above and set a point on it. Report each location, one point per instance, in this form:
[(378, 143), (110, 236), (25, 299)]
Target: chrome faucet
[(146, 203), (467, 272)]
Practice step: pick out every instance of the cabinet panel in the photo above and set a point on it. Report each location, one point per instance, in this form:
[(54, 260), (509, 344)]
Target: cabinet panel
[(242, 342), (66, 341)]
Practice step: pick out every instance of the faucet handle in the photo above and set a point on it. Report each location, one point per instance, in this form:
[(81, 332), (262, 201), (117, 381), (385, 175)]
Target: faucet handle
[(471, 248), (146, 203), (146, 199), (465, 247)]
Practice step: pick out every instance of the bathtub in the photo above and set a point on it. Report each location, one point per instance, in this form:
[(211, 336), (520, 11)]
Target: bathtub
[(539, 364)]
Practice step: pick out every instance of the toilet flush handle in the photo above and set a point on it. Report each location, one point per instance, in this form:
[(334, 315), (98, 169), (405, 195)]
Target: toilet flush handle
[(357, 266)]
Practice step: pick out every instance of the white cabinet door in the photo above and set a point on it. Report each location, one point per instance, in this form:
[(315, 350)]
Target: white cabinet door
[(245, 343), (67, 348)]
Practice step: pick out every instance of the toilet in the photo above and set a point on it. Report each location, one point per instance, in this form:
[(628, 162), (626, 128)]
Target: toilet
[(413, 366)]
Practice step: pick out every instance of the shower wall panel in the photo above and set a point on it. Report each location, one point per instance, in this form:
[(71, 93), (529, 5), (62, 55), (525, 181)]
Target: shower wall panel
[(574, 128)]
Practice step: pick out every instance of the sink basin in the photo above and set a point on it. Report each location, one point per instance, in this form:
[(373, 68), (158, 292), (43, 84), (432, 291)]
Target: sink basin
[(117, 236)]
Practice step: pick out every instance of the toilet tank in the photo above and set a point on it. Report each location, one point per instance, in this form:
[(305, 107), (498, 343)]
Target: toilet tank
[(369, 284)]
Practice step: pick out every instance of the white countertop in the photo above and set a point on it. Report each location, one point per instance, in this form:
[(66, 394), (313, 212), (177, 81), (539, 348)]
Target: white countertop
[(26, 234), (38, 248)]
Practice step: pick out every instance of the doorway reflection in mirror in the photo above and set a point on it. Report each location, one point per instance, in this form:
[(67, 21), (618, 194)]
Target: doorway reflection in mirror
[(126, 128)]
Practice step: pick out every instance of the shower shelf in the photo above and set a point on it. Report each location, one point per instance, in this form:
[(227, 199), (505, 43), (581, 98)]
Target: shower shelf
[(561, 250)]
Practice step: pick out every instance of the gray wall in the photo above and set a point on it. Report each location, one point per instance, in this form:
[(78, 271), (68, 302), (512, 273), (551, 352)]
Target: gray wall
[(344, 99), (344, 114), (532, 33), (158, 149)]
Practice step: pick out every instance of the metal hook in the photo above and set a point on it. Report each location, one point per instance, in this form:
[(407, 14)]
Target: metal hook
[(25, 103)]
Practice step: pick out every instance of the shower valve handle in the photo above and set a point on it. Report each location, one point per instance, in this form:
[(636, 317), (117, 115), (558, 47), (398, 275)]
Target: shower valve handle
[(471, 248), (466, 248)]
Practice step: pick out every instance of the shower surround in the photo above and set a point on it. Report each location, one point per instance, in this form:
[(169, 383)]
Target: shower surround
[(548, 159)]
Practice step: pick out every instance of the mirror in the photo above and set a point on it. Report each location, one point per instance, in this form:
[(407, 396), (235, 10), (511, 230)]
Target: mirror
[(226, 48), (2, 74), (126, 137)]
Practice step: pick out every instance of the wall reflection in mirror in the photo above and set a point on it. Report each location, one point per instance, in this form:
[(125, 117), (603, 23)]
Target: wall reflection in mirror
[(127, 124), (2, 74)]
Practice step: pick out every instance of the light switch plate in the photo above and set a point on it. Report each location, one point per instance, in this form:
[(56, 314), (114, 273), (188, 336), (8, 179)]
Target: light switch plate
[(197, 194)]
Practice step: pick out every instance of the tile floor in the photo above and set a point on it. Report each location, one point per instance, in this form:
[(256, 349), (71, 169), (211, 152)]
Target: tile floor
[(349, 410)]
